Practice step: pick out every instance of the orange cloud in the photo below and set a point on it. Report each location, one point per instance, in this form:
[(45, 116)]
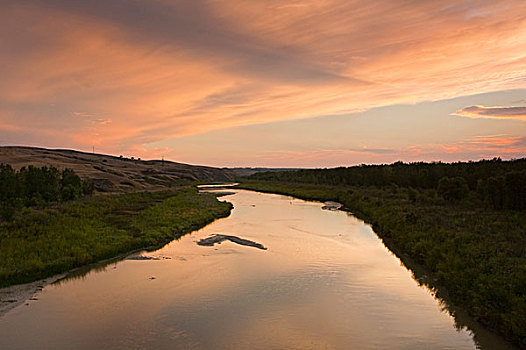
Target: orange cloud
[(165, 69), (498, 112)]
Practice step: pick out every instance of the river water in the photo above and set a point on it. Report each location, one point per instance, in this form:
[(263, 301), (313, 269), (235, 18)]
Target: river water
[(325, 282)]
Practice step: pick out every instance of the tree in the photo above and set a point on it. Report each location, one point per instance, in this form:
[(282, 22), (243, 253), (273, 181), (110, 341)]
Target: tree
[(7, 182)]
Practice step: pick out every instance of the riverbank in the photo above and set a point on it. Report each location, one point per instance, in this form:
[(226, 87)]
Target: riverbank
[(326, 281), (476, 255), (40, 243), (15, 295)]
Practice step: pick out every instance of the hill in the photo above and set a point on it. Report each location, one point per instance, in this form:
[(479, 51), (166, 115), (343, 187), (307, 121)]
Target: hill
[(247, 171), (111, 173)]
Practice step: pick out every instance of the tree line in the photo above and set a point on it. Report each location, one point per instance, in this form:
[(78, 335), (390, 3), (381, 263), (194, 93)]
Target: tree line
[(33, 186), (496, 183)]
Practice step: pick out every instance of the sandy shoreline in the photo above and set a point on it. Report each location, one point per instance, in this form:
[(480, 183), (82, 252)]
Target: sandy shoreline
[(330, 205), (13, 296), (217, 238), (18, 294)]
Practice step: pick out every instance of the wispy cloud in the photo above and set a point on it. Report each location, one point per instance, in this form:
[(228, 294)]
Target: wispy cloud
[(498, 140), (498, 112), (93, 118), (374, 150), (163, 69)]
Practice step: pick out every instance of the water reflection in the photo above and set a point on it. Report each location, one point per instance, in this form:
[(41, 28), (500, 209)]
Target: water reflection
[(482, 337), (326, 281)]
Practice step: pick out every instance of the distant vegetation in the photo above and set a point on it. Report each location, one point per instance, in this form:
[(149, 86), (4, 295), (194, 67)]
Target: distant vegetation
[(497, 184), (40, 242), (34, 186), (464, 222)]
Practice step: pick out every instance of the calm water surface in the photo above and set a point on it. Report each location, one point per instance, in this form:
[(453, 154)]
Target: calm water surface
[(325, 282)]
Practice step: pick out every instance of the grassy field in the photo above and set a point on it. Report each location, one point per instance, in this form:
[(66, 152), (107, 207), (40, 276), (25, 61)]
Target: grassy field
[(42, 242), (475, 258)]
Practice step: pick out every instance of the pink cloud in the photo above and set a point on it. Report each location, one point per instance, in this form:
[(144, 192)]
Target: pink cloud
[(498, 140), (451, 149)]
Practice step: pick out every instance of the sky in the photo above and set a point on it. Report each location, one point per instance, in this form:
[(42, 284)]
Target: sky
[(314, 83)]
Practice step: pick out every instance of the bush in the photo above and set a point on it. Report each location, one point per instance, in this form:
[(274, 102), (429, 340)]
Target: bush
[(87, 187), (69, 193), (515, 191), (7, 211), (453, 189)]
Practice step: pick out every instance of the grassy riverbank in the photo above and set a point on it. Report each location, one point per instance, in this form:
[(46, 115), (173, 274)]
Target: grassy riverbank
[(42, 242), (477, 255)]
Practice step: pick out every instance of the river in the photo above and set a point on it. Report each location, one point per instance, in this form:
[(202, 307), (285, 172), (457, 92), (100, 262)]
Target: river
[(325, 281)]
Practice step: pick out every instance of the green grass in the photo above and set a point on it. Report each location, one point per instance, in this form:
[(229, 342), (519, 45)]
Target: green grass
[(475, 257), (41, 243)]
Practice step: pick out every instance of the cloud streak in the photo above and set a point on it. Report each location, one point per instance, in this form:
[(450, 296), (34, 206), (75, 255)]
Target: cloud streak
[(498, 112), (499, 141)]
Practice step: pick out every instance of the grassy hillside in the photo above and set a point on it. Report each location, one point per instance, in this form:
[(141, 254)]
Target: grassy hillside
[(114, 174)]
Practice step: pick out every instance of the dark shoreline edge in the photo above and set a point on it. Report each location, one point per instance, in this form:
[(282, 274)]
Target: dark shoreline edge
[(420, 274)]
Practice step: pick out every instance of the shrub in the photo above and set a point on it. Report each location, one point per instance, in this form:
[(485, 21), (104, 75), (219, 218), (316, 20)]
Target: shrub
[(452, 188), (69, 193)]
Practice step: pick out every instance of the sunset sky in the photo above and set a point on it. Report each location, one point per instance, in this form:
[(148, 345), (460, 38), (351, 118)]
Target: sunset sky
[(314, 83)]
